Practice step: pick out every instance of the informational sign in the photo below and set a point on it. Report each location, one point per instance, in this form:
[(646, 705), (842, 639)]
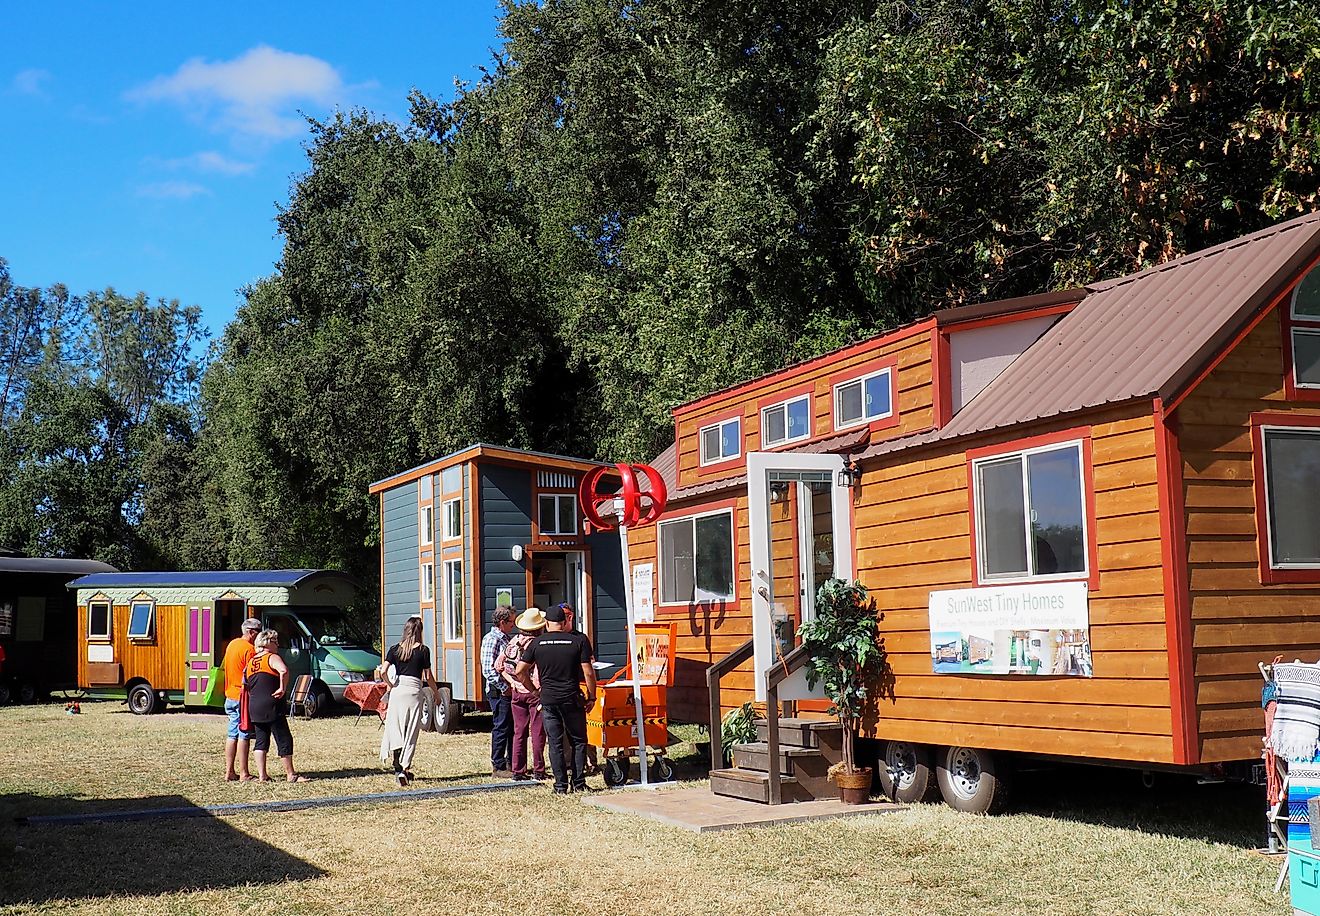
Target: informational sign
[(1039, 629), (643, 579), (504, 597)]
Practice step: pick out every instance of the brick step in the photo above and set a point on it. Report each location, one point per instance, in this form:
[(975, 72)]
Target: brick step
[(754, 786), (756, 756), (801, 732)]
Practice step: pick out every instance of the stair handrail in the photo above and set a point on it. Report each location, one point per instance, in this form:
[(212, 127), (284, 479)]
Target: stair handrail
[(713, 674), (778, 672)]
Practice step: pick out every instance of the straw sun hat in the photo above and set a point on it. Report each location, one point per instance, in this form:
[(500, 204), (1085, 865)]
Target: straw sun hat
[(530, 620)]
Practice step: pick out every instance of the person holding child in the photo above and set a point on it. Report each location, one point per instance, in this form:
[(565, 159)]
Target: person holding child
[(526, 702)]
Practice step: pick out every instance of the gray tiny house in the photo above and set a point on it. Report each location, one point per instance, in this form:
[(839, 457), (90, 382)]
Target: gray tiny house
[(487, 526)]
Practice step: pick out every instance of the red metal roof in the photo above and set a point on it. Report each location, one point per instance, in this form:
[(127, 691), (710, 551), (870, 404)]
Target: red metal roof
[(1145, 334)]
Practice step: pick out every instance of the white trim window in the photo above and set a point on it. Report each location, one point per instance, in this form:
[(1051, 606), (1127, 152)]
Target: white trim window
[(697, 558), (721, 441), (863, 399), (142, 620), (1291, 458), (99, 617), (453, 600), (787, 421), (1031, 514), (1304, 321), (557, 513), (451, 514), (426, 523), (428, 583)]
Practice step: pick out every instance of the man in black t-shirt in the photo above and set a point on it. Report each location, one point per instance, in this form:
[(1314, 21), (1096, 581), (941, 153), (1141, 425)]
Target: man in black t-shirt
[(563, 660)]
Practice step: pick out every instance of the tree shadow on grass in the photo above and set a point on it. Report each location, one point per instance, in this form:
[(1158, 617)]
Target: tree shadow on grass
[(49, 862), (1175, 805)]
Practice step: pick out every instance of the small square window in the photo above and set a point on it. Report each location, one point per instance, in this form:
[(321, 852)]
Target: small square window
[(98, 620), (721, 441), (142, 620), (452, 514), (786, 422), (861, 400), (558, 513)]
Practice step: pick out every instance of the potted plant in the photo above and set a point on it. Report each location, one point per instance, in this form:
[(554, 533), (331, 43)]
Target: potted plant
[(845, 654)]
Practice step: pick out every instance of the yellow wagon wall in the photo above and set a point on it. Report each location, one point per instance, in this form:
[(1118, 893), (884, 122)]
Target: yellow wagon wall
[(159, 660)]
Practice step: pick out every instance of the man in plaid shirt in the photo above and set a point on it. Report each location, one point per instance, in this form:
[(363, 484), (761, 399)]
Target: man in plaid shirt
[(497, 693)]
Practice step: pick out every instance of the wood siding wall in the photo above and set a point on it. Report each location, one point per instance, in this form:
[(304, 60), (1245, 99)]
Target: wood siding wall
[(912, 524), (914, 401), (159, 661), (1236, 620)]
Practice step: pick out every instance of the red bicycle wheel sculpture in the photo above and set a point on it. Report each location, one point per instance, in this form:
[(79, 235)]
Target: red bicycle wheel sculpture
[(639, 507)]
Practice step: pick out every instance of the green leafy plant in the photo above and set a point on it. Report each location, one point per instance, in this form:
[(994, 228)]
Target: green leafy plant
[(845, 654), (737, 727)]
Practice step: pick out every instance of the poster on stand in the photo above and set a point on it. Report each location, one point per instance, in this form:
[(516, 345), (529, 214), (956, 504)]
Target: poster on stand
[(643, 605), (1038, 629)]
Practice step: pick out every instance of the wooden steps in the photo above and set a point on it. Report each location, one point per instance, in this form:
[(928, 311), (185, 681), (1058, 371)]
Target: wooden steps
[(807, 748)]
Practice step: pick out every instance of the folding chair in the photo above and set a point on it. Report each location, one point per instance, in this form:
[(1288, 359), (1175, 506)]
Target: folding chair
[(302, 686)]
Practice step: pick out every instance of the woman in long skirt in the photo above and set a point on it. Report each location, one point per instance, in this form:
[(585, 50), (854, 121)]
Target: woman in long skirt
[(403, 717)]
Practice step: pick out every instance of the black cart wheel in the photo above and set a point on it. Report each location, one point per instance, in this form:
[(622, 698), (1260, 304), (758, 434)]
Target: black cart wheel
[(615, 771), (905, 772), (971, 780), (664, 771), (142, 700)]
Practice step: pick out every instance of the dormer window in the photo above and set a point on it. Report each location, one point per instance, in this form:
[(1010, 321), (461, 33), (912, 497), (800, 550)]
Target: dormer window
[(721, 441), (864, 399), (788, 421)]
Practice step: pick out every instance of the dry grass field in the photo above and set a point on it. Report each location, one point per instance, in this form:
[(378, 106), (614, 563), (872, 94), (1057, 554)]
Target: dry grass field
[(1084, 841)]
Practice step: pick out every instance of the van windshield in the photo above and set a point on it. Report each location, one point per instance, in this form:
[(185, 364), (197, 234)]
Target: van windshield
[(333, 628)]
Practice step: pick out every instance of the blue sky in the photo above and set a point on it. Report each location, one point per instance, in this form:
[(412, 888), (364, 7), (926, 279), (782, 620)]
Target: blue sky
[(147, 145)]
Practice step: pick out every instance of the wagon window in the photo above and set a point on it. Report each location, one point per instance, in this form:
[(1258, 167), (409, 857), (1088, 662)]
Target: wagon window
[(98, 620), (696, 559), (1292, 477), (142, 620), (1030, 515)]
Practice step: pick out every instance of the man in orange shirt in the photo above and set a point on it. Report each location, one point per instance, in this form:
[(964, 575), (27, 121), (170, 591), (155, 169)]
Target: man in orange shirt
[(237, 654)]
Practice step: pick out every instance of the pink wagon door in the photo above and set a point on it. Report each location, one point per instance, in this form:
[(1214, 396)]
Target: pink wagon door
[(201, 639)]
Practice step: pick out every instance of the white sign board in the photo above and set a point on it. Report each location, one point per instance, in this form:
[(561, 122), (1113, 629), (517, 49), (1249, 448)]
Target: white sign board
[(1038, 629), (643, 604), (100, 653)]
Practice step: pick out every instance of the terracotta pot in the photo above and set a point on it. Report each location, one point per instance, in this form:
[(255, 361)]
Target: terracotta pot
[(854, 788)]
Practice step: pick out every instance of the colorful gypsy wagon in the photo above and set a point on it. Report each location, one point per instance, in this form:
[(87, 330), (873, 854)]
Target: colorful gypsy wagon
[(1085, 517)]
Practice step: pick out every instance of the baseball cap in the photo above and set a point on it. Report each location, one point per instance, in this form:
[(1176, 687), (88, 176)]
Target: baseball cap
[(555, 614), (251, 623)]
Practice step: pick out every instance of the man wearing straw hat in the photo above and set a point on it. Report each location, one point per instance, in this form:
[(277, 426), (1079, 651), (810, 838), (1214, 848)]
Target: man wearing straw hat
[(563, 660)]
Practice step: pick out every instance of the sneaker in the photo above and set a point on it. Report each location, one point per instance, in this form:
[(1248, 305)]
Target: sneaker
[(402, 778), (521, 777), (583, 788), (559, 791), (499, 773), (541, 777)]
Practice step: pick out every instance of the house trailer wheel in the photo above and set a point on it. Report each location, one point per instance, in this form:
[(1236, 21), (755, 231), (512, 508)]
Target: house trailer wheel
[(6, 693), (27, 692), (905, 772), (142, 700), (615, 771), (971, 780), (447, 713)]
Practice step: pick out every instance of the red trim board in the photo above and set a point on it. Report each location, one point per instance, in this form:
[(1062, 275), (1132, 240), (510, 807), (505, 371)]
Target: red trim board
[(1177, 598)]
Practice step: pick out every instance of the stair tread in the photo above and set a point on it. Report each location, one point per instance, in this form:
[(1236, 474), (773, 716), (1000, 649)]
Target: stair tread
[(742, 775), (802, 723), (792, 750)]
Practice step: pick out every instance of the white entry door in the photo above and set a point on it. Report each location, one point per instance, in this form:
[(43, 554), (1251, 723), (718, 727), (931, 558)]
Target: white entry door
[(801, 534)]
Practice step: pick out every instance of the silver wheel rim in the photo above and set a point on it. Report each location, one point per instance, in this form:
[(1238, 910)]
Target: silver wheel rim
[(901, 762), (964, 772), (140, 701)]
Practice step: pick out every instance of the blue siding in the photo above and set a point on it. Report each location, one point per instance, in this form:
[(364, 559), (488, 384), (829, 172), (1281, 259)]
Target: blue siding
[(505, 514), (607, 581), (400, 574)]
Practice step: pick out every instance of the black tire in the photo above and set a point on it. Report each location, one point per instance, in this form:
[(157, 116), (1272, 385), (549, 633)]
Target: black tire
[(448, 714), (142, 700), (319, 702), (6, 693), (615, 771), (664, 771), (27, 692), (905, 773), (972, 780)]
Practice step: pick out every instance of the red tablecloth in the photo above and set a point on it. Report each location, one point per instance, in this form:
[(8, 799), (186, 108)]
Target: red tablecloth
[(367, 696)]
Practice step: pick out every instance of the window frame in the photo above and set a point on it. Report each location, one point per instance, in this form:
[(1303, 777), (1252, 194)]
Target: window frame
[(426, 523), (559, 498), (1080, 439), (874, 370), (1261, 423), (1291, 323), (109, 621), (451, 613), (725, 507), (705, 461), (784, 404), (445, 533), (150, 634)]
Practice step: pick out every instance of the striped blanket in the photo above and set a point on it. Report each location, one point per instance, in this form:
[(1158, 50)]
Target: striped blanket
[(1296, 731)]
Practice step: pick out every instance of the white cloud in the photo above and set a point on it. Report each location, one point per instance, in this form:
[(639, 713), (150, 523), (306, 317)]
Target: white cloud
[(255, 93), (172, 190), (209, 161), (29, 82)]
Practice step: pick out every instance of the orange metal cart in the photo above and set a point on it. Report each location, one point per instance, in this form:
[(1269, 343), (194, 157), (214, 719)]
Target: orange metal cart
[(612, 721)]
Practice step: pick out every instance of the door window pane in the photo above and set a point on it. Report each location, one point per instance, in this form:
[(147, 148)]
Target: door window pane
[(1056, 511), (1306, 356), (1001, 526), (714, 560), (677, 568), (1292, 480)]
